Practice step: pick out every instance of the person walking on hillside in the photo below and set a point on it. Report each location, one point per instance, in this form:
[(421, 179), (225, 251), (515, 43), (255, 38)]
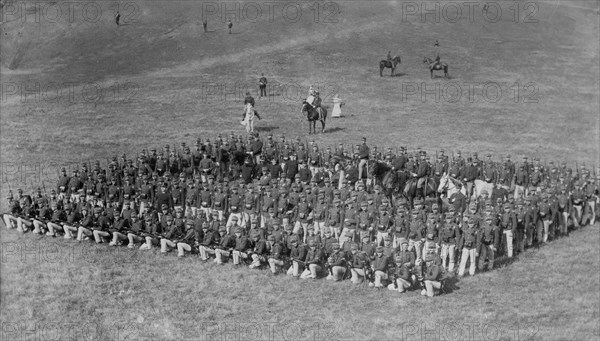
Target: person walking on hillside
[(118, 18), (229, 25), (205, 25)]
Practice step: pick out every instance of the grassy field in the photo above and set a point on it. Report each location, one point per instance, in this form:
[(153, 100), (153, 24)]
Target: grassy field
[(522, 85)]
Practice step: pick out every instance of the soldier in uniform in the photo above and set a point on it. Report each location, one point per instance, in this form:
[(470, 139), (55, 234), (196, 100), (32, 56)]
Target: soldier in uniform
[(313, 261), (404, 264), (337, 263), (360, 262), (468, 245), (488, 238)]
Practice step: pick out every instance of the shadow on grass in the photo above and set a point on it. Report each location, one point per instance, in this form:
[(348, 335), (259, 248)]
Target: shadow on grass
[(333, 130), (265, 128), (400, 74)]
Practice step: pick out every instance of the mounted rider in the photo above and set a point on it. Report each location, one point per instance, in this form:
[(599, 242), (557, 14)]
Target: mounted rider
[(389, 56), (437, 49), (314, 100)]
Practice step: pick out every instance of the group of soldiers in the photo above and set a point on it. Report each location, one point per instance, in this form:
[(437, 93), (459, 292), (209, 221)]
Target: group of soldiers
[(294, 208)]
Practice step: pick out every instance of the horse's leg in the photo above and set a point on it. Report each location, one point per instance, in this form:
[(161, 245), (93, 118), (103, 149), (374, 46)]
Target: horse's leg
[(322, 126)]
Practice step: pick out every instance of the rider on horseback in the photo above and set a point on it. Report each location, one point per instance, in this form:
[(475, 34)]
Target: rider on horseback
[(389, 56)]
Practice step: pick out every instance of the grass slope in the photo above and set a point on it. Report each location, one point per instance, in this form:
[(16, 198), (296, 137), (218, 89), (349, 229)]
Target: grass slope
[(165, 57)]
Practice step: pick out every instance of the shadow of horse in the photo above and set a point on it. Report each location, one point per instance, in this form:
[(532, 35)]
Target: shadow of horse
[(265, 128), (336, 129)]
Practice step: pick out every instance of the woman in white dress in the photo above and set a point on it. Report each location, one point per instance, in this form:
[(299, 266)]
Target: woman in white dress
[(337, 107)]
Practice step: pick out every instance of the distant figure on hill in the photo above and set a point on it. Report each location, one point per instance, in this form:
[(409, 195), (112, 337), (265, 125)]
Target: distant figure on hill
[(204, 24), (229, 25), (118, 18), (389, 56), (262, 84)]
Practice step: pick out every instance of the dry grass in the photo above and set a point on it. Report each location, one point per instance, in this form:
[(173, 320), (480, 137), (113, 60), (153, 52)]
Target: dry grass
[(553, 294)]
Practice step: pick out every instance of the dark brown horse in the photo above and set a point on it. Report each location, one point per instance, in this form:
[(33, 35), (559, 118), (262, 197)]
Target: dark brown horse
[(389, 64), (313, 115)]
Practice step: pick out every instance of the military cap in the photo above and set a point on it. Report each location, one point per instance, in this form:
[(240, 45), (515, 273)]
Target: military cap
[(379, 249)]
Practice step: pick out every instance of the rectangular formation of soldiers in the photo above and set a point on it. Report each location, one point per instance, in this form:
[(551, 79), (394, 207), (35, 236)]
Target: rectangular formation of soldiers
[(295, 209)]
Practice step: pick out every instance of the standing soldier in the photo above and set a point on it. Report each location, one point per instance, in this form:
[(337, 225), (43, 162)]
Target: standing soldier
[(448, 236), (363, 155), (262, 84), (488, 238), (468, 245), (229, 25)]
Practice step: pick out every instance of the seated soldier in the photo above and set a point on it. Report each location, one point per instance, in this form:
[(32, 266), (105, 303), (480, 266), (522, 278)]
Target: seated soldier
[(87, 225), (275, 259), (150, 234), (137, 226), (43, 215), (405, 261), (119, 229), (337, 263), (380, 267), (189, 242), (432, 277), (360, 262), (242, 246), (313, 262), (174, 232), (210, 240), (58, 217), (10, 219), (259, 252), (223, 250), (297, 256)]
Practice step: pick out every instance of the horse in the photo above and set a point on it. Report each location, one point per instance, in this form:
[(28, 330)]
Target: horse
[(390, 64), (248, 117), (383, 175), (448, 185), (410, 191), (479, 186), (313, 115), (435, 66)]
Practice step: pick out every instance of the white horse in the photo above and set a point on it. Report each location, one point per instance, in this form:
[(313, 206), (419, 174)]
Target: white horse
[(448, 185), (249, 114), (479, 186)]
